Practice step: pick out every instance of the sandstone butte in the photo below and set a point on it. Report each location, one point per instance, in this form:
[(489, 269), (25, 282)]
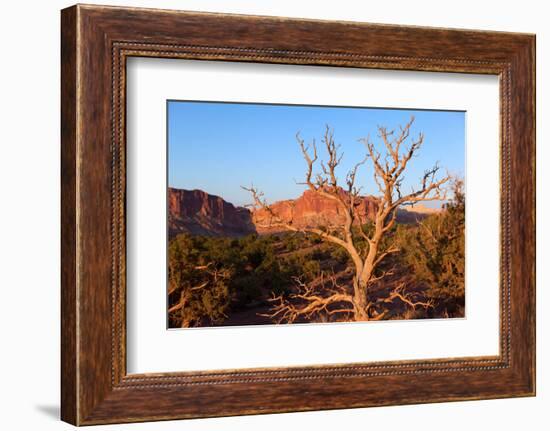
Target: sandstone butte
[(199, 213)]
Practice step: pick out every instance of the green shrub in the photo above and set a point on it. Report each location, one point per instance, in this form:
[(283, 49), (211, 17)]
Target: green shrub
[(198, 282), (435, 251)]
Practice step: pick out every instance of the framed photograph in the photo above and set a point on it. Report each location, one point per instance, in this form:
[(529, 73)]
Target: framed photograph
[(264, 214)]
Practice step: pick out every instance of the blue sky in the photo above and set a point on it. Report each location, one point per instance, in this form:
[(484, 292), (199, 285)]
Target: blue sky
[(217, 147)]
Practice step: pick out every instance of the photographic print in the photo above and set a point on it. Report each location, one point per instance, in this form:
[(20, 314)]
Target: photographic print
[(287, 214)]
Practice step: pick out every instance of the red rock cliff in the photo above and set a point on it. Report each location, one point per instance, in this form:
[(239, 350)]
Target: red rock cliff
[(199, 213), (311, 210)]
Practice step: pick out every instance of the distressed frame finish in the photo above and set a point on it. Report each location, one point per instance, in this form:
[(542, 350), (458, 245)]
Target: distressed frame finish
[(95, 42)]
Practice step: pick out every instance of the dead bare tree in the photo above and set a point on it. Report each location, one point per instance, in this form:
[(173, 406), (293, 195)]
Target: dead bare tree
[(389, 171)]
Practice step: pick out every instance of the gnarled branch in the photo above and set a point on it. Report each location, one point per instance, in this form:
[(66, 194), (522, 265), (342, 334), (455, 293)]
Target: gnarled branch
[(311, 299)]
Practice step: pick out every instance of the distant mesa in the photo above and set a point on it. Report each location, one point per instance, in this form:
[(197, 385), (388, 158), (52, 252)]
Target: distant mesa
[(199, 213), (414, 214)]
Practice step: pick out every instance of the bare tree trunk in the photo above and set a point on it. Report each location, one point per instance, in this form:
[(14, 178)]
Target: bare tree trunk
[(360, 300)]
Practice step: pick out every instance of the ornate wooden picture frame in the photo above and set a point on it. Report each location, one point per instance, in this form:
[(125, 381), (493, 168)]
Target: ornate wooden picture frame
[(96, 41)]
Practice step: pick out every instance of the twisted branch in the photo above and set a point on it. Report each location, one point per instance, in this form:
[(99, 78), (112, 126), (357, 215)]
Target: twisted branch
[(311, 299)]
